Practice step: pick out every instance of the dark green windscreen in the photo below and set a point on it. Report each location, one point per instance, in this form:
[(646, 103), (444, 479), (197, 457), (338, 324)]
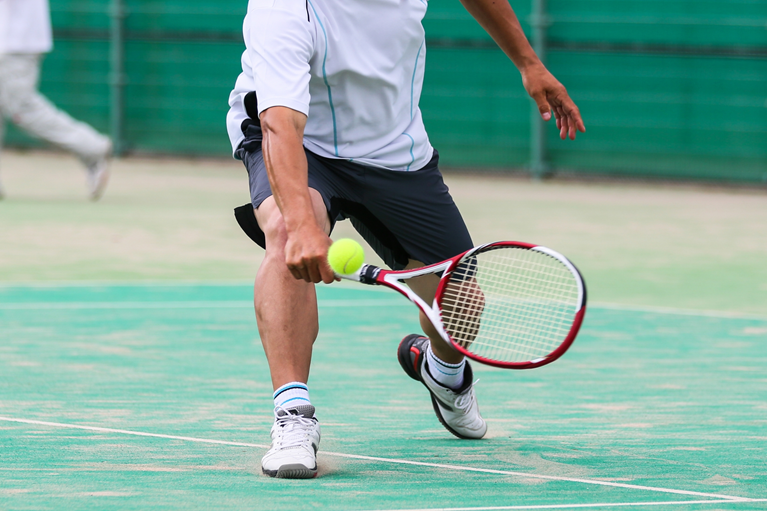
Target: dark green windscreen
[(673, 88)]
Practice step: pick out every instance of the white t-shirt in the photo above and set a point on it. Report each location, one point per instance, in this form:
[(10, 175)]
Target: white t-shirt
[(25, 26), (354, 67)]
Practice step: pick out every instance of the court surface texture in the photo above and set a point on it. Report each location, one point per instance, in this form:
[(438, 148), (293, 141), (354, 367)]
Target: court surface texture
[(120, 390), (120, 396)]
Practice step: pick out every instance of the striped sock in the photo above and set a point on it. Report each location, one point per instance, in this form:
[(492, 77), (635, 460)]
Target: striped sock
[(449, 375), (291, 395)]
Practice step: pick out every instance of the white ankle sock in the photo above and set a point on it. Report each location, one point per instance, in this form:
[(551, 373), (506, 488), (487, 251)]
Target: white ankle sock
[(449, 375), (291, 395)]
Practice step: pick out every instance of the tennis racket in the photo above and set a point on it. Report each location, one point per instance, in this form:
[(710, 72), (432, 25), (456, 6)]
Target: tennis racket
[(506, 304)]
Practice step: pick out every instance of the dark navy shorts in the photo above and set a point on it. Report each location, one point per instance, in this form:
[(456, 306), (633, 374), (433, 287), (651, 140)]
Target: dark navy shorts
[(402, 215)]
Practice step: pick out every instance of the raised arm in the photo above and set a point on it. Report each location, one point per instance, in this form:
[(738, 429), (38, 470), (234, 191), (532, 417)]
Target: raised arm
[(307, 246), (498, 19)]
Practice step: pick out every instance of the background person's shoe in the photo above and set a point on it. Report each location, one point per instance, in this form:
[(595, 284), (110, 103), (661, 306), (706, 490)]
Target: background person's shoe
[(97, 174), (295, 440), (457, 410)]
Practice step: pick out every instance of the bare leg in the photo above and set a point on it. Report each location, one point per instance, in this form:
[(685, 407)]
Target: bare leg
[(426, 288), (286, 308), (27, 108)]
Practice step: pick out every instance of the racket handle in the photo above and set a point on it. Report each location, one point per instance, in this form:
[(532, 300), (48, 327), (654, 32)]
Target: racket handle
[(368, 274)]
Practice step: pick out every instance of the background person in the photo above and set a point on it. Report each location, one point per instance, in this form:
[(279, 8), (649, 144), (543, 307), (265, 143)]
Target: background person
[(25, 36)]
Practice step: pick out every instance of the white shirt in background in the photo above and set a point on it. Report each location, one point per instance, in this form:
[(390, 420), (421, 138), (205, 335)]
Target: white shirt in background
[(355, 68), (25, 26)]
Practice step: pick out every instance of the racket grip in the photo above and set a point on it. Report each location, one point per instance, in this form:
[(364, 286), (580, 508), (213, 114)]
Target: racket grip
[(368, 274)]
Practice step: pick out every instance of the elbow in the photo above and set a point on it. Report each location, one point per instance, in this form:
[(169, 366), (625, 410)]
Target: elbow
[(282, 121), (270, 122)]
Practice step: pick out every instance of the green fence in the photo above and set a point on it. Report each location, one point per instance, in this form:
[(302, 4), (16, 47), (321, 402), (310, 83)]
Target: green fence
[(668, 88)]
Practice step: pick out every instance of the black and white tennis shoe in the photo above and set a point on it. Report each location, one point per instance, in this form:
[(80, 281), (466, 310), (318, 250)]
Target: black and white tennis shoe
[(457, 410)]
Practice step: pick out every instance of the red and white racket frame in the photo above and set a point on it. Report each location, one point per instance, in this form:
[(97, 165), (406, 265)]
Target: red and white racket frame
[(373, 275)]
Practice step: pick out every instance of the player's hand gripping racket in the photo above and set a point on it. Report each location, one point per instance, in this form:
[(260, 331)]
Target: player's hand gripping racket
[(506, 304)]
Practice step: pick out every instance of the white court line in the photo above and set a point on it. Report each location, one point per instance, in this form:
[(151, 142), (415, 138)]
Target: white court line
[(581, 506), (337, 285), (155, 283), (676, 312), (247, 304), (241, 304), (125, 283), (389, 460), (185, 304), (51, 284)]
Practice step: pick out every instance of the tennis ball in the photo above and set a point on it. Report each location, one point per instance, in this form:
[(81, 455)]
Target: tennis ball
[(346, 256)]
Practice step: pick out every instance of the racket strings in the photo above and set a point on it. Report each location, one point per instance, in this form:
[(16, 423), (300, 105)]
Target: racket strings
[(510, 304), (528, 324)]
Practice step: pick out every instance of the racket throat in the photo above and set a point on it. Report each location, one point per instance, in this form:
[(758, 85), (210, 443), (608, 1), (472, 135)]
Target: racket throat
[(397, 280)]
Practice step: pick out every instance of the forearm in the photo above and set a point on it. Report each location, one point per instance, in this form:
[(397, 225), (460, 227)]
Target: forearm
[(286, 166), (498, 19)]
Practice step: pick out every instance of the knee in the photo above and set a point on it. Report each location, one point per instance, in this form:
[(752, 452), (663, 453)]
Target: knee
[(12, 107), (275, 233), (17, 99)]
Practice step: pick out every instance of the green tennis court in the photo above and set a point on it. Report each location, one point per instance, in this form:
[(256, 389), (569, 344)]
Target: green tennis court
[(157, 395), (121, 389)]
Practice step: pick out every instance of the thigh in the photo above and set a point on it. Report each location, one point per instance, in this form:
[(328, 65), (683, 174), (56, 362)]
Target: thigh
[(417, 209), (424, 286), (269, 217), (20, 73), (263, 213)]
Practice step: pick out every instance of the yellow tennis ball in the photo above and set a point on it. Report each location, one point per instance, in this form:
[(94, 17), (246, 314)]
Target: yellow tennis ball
[(346, 256)]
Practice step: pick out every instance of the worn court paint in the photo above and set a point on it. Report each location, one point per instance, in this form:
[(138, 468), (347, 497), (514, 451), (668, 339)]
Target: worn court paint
[(596, 505), (396, 461), (171, 220), (642, 399)]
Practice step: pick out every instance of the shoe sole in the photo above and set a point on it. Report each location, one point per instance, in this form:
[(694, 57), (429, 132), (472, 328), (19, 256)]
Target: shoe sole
[(403, 355), (293, 471)]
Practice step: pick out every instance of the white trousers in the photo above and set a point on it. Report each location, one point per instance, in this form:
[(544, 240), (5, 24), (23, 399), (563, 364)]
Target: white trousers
[(21, 102)]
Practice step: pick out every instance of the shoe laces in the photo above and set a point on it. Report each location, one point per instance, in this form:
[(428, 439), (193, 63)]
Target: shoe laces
[(292, 430)]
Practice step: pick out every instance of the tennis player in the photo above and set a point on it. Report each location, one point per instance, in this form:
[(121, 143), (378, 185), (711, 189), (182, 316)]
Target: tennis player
[(325, 118), (25, 36)]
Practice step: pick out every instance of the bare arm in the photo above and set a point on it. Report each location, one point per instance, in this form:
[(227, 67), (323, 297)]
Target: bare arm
[(498, 19), (307, 246)]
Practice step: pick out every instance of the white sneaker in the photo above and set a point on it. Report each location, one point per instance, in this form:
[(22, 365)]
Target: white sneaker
[(98, 175), (295, 440), (457, 410)]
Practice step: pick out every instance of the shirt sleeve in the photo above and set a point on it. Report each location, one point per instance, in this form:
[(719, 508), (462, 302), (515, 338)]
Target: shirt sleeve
[(237, 112), (280, 45)]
